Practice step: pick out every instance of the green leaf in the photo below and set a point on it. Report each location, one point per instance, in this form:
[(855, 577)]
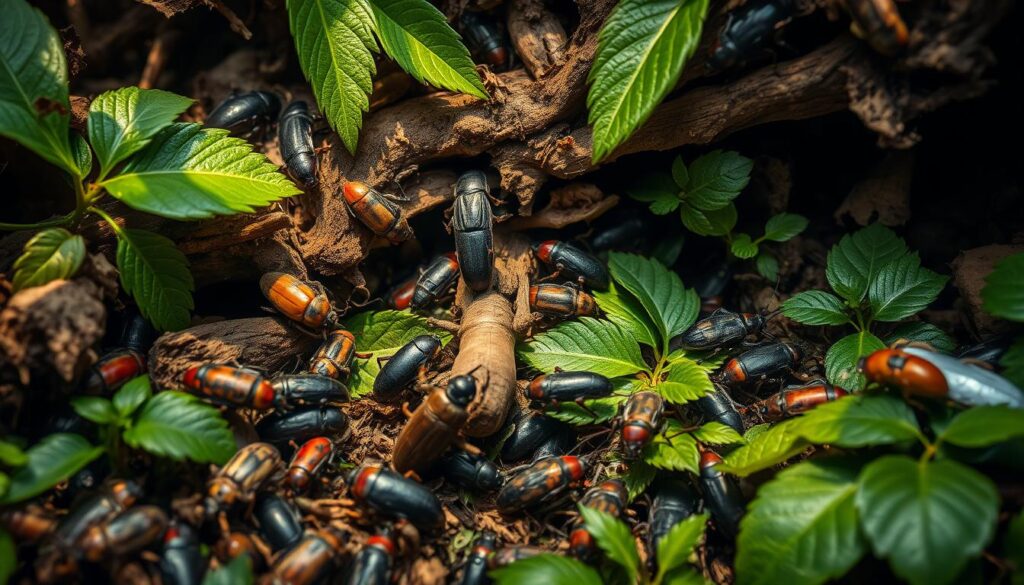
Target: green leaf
[(673, 449), (927, 518), (767, 265), (665, 205), (625, 311), (94, 408), (237, 572), (743, 247), (675, 548), (659, 190), (765, 449), (841, 359), (686, 381), (11, 455), (590, 344), (984, 425), (122, 122), (685, 576), (50, 461), (860, 421), (82, 154), (1013, 362), (923, 332), (381, 334), (52, 254), (34, 107), (680, 175), (614, 538), (601, 410), (179, 426), (902, 288), (784, 226), (638, 478), (8, 555), (854, 262), (815, 307), (131, 396), (716, 179), (721, 220), (716, 433), (1003, 295), (156, 274), (417, 36), (191, 172), (335, 44), (671, 307), (1013, 547), (549, 569), (802, 527), (641, 50)]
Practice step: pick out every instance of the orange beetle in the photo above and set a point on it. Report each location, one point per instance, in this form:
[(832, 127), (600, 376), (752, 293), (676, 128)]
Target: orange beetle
[(879, 23), (231, 386), (334, 358), (296, 299), (400, 297), (307, 461), (561, 301), (910, 373), (793, 401), (113, 370), (375, 211)]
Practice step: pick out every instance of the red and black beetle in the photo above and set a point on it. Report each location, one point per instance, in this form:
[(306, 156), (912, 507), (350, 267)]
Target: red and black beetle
[(376, 211), (641, 420), (231, 386), (557, 300), (609, 497), (795, 400), (541, 482), (306, 462), (570, 260)]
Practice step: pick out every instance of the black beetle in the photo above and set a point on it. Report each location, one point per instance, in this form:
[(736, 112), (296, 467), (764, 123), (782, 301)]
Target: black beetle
[(760, 362), (541, 482), (473, 472), (295, 139), (278, 521), (472, 224), (722, 495), (989, 351), (401, 368), (112, 499), (280, 428), (674, 501), (710, 287), (137, 333), (748, 28), (181, 562), (717, 406), (303, 389), (624, 232), (531, 431), (435, 281), (570, 260), (392, 494), (245, 112), (568, 387), (372, 564), (475, 572), (720, 329), (484, 38), (124, 534)]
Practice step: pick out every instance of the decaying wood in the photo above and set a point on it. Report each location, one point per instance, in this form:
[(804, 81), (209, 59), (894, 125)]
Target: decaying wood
[(571, 204), (884, 195), (970, 269), (537, 35)]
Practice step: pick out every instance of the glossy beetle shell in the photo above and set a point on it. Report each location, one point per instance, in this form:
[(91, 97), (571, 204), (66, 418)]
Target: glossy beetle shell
[(717, 406), (721, 329), (722, 495), (880, 24), (279, 522), (137, 333), (432, 428), (113, 498), (29, 524), (310, 560), (372, 564), (371, 208), (609, 497), (295, 299), (307, 461), (295, 139), (641, 419), (748, 28), (624, 233), (573, 262), (674, 501), (231, 386), (532, 430), (249, 468), (308, 389), (400, 371), (568, 386), (435, 281), (181, 562), (472, 226), (793, 401), (561, 301), (393, 495), (475, 572), (113, 370), (484, 38), (400, 297), (539, 483), (926, 373), (241, 113), (760, 361), (302, 424), (473, 472), (334, 356), (126, 533)]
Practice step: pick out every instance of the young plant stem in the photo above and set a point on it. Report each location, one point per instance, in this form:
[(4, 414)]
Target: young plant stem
[(110, 221)]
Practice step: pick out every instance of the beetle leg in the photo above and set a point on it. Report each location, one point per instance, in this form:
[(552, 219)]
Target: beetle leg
[(405, 410), (382, 359), (579, 402), (413, 475)]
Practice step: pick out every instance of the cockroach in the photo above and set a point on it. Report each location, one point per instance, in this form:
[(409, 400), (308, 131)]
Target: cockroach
[(181, 562), (531, 431), (748, 29), (115, 497), (795, 400), (722, 496), (674, 501), (401, 369), (434, 425), (504, 557), (302, 424), (471, 471), (311, 559), (241, 114), (484, 38), (541, 482), (334, 356), (562, 386), (641, 420), (717, 406), (306, 462), (920, 372), (246, 471), (400, 297), (394, 495), (112, 371), (472, 225), (573, 262), (308, 389), (609, 497), (278, 521), (721, 329), (29, 524), (879, 23), (295, 139), (126, 533), (989, 351), (376, 211), (475, 572), (231, 386), (759, 363), (137, 333), (297, 300), (557, 300), (372, 564), (437, 279)]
